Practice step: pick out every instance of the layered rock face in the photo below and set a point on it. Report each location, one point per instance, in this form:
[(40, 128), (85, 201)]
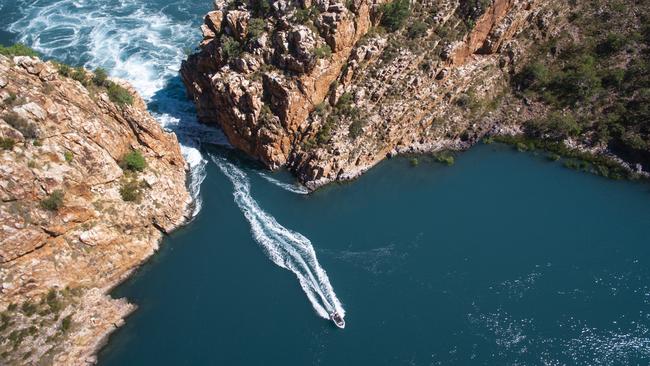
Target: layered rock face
[(330, 117), (74, 221), (260, 72)]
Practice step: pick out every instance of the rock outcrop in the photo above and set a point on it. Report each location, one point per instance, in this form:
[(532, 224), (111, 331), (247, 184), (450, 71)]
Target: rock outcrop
[(319, 87), (260, 84), (75, 220)]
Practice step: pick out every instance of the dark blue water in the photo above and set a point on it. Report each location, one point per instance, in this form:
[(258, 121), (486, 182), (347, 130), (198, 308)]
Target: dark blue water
[(503, 259)]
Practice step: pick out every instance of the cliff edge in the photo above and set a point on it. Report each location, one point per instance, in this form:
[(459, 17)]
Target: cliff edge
[(89, 183)]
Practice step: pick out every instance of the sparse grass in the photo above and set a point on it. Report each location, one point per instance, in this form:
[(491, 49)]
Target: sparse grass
[(7, 143), (66, 323), (29, 308), (131, 190)]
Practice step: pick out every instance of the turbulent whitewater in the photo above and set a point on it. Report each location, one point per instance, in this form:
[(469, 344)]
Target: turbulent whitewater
[(288, 249), (134, 42)]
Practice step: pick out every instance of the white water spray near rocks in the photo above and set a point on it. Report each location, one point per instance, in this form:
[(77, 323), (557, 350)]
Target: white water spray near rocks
[(133, 42)]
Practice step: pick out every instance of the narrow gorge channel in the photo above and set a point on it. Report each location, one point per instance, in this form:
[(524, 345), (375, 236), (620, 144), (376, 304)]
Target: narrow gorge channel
[(503, 258)]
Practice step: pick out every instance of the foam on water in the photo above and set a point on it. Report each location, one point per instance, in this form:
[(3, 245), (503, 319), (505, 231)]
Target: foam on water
[(286, 248), (134, 42), (286, 186)]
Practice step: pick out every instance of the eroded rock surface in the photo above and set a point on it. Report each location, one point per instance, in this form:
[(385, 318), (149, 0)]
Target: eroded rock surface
[(319, 87), (60, 256)]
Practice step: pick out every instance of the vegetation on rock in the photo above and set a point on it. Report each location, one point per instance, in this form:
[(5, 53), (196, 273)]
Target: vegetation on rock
[(17, 49), (134, 161), (54, 201)]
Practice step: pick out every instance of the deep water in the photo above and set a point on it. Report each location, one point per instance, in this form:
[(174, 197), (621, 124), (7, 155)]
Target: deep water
[(504, 258)]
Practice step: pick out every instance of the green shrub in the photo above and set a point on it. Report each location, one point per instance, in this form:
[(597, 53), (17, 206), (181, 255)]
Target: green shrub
[(68, 156), (26, 128), (303, 16), (131, 191), (260, 7), (64, 70), (417, 29), (79, 74), (17, 49), (535, 74), (614, 43), (7, 143), (255, 28), (323, 51), (100, 77), (230, 47), (356, 128), (344, 104), (118, 94), (134, 161), (394, 14), (54, 201), (556, 126)]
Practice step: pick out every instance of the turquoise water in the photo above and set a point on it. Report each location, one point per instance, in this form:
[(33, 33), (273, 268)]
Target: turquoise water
[(503, 259)]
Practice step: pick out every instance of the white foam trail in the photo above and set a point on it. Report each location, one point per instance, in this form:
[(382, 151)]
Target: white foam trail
[(287, 249), (286, 186), (134, 42)]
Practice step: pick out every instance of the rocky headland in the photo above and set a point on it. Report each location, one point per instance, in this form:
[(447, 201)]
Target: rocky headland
[(328, 88), (89, 183)]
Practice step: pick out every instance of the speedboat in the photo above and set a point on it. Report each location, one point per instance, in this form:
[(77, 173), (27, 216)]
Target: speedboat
[(337, 319)]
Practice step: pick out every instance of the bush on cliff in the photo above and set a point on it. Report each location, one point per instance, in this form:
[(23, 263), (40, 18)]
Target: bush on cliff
[(323, 51), (54, 201), (131, 190), (17, 49), (118, 94), (100, 77), (394, 14), (255, 28), (133, 161), (230, 47)]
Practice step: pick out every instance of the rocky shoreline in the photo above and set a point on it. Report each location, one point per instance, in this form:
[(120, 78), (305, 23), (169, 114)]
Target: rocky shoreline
[(89, 183)]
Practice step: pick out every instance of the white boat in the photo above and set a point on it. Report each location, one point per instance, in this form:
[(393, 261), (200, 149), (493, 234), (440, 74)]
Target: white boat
[(337, 319)]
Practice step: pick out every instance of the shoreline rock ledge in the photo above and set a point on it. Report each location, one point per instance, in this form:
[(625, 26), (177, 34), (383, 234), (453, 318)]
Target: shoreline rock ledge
[(89, 183)]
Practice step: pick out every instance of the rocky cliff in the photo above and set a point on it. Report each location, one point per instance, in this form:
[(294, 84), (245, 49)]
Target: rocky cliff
[(329, 88), (89, 183)]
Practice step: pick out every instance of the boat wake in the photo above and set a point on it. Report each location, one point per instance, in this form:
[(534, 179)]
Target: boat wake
[(294, 188), (287, 249), (134, 42)]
